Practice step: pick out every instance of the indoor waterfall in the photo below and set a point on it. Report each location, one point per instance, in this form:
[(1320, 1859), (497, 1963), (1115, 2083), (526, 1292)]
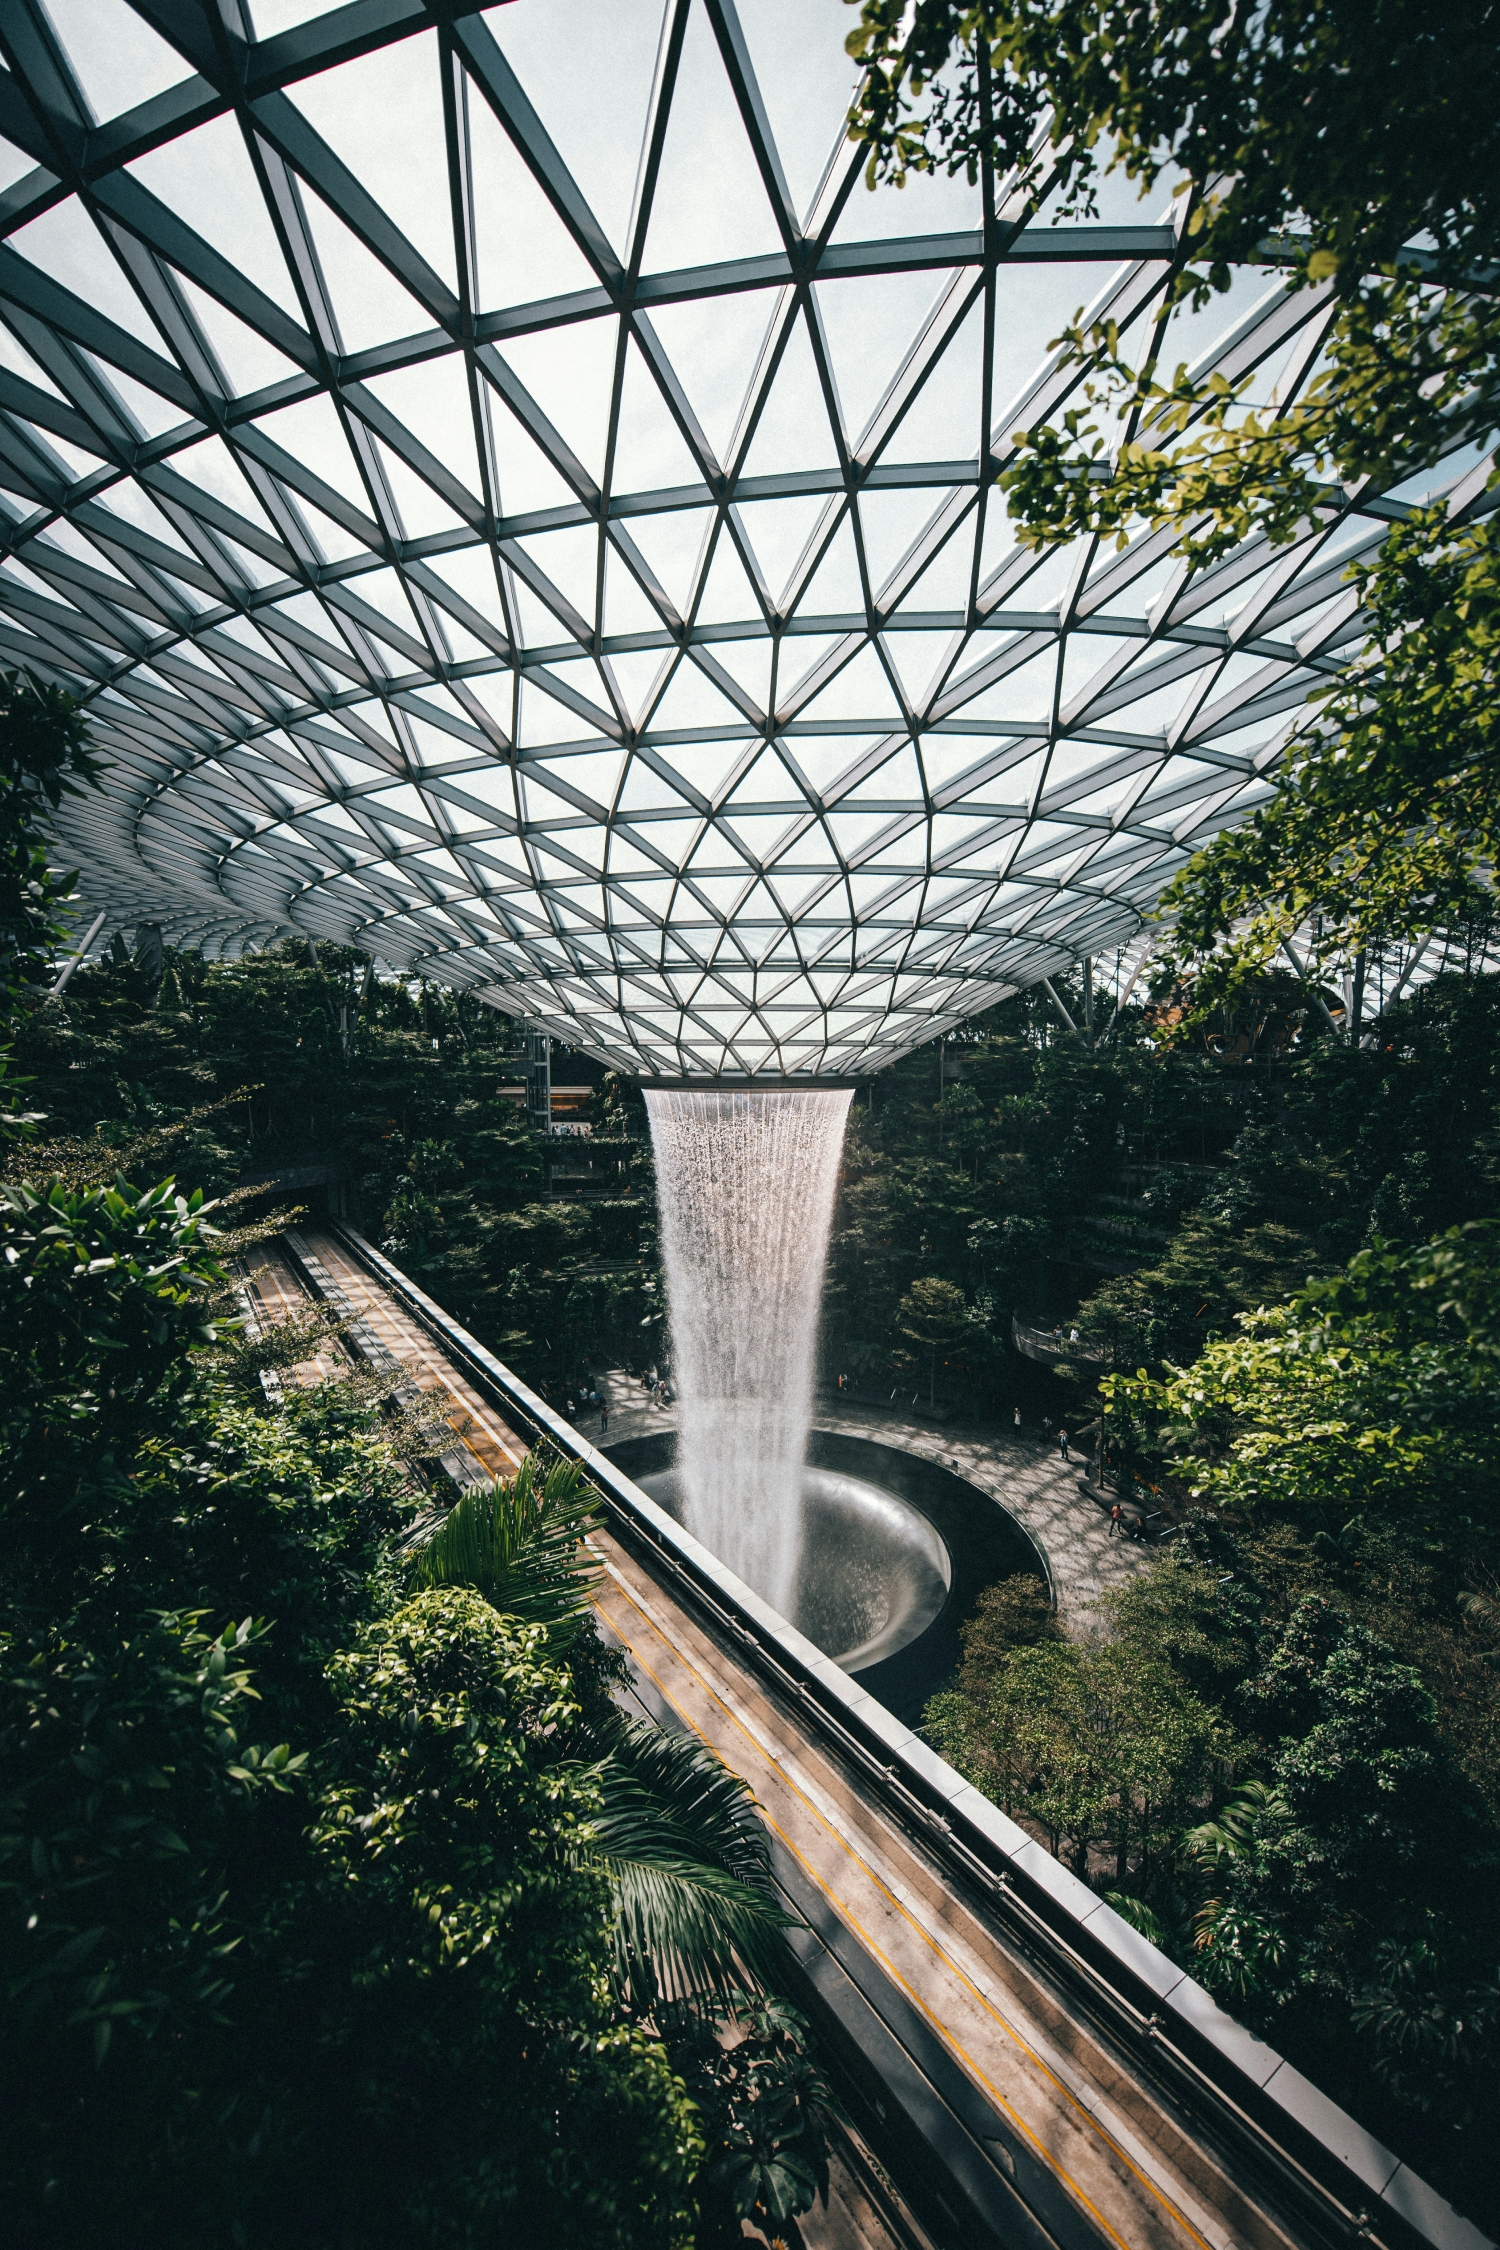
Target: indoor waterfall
[(745, 1185)]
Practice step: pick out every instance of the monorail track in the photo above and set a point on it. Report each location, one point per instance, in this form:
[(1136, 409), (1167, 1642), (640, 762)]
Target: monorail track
[(1029, 2071)]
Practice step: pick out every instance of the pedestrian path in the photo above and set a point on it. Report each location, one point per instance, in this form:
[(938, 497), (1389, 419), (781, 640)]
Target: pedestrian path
[(1050, 1498)]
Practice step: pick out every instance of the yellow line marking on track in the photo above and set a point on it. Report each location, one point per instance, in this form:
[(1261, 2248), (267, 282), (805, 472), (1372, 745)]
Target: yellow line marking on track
[(960, 2055), (415, 1354)]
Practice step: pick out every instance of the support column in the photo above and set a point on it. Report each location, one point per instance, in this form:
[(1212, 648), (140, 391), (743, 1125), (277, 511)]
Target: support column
[(538, 1080)]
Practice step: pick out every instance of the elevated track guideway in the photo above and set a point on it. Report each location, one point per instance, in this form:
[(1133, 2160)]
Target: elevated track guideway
[(1028, 2071)]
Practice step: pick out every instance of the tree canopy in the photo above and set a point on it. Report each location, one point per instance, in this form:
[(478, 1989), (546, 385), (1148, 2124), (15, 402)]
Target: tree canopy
[(1357, 149)]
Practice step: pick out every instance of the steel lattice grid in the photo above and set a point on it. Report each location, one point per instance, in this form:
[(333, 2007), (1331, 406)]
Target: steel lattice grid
[(516, 504)]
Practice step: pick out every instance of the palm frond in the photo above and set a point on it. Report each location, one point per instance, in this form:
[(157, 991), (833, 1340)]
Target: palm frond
[(519, 1543), (689, 1867), (1255, 1807)]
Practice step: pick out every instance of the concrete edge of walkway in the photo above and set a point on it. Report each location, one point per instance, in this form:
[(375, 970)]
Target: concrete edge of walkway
[(1085, 1922)]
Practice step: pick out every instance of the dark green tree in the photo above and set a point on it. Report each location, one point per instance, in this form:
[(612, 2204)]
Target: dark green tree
[(933, 1312), (1356, 147)]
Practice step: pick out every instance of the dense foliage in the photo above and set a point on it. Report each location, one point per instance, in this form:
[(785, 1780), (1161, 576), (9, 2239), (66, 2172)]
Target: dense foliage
[(274, 1886), (1282, 1760), (1354, 146), (337, 1898), (1169, 1190), (294, 1061)]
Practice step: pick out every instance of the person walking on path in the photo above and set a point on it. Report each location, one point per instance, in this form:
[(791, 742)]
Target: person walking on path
[(1062, 1443), (1046, 1427), (604, 1417), (1114, 1521), (1018, 1421)]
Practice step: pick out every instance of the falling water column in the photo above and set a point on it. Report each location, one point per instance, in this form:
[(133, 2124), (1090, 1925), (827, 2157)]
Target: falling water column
[(745, 1185)]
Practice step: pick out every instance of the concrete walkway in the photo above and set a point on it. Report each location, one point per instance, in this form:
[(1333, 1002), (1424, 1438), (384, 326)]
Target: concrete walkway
[(1052, 1499)]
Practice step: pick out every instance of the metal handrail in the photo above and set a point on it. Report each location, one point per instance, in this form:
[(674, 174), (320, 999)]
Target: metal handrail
[(1292, 2136)]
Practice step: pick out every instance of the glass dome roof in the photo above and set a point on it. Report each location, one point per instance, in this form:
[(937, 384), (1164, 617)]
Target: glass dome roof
[(514, 502)]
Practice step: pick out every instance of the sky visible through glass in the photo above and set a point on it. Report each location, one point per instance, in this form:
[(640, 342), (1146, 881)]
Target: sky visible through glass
[(515, 502)]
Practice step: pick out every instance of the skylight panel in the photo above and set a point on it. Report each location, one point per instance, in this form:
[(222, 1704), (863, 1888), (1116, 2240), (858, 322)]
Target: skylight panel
[(118, 60), (578, 469), (587, 66), (65, 245), (570, 373)]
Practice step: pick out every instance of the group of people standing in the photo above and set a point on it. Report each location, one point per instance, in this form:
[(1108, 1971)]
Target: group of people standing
[(1062, 1435)]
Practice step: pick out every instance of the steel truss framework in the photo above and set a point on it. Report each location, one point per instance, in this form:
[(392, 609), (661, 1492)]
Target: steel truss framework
[(724, 730)]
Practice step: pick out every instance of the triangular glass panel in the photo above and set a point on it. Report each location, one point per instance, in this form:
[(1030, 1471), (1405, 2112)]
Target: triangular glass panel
[(645, 790), (651, 453), (582, 678), (626, 608), (14, 355), (671, 545), (930, 203), (692, 700), (944, 421), (637, 674), (596, 773), (749, 663), (544, 720), (869, 325), (152, 413), (823, 759), (1032, 303), (956, 832), (492, 785), (432, 400), (496, 693), (758, 836), (118, 60), (766, 782), (897, 781), (369, 304), (570, 560), (889, 524), (794, 430), (710, 201), (525, 253), (714, 346), (207, 178), (69, 249), (851, 830), (1088, 659), (921, 660), (422, 511), (471, 573), (570, 372), (382, 113), (943, 588), (728, 596), (588, 67), (250, 364), (778, 531), (1069, 761), (312, 434), (75, 463), (213, 469), (860, 691), (625, 859), (835, 588), (704, 766), (528, 480), (461, 644), (807, 106)]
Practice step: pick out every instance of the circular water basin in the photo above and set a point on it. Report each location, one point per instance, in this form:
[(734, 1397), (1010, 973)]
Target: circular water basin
[(874, 1572)]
